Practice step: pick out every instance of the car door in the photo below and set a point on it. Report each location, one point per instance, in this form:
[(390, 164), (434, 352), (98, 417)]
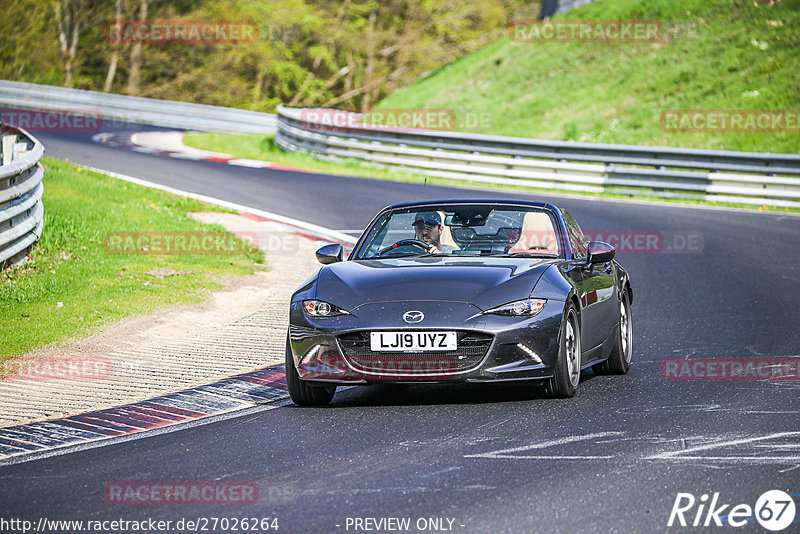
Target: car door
[(596, 288)]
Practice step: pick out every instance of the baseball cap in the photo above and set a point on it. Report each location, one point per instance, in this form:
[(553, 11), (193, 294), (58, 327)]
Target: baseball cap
[(431, 218)]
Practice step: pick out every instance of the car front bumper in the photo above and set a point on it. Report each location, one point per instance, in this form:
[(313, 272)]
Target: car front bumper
[(491, 347)]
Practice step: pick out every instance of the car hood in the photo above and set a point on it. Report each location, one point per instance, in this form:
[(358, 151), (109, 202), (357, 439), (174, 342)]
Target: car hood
[(484, 282)]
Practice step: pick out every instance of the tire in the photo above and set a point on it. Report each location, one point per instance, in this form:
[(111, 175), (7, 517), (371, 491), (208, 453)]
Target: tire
[(303, 393), (620, 360), (567, 371)]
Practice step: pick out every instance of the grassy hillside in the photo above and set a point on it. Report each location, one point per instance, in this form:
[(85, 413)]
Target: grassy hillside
[(714, 54)]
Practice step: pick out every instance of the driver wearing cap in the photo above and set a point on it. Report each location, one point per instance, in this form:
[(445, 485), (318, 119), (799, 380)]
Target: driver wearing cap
[(428, 228)]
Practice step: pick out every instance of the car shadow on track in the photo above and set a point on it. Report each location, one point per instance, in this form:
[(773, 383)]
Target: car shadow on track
[(458, 393)]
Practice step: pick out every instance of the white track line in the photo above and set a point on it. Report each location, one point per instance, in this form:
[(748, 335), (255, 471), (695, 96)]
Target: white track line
[(684, 453), (303, 225), (509, 453)]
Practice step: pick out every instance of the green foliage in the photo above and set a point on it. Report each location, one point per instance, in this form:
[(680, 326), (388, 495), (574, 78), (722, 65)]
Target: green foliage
[(24, 22), (71, 264), (715, 55), (348, 53)]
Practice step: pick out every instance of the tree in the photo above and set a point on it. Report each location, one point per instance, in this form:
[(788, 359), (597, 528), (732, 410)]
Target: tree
[(24, 22), (345, 53), (112, 66), (71, 16), (134, 75)]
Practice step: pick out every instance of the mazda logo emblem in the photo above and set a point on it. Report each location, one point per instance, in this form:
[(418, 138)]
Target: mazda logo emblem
[(413, 316)]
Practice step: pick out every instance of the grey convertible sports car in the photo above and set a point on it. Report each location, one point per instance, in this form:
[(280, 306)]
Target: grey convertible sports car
[(473, 290)]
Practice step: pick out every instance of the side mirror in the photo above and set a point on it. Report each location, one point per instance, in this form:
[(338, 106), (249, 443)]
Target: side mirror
[(330, 253), (600, 252)]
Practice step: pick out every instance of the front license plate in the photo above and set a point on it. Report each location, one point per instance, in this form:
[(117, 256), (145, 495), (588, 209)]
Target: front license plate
[(413, 341)]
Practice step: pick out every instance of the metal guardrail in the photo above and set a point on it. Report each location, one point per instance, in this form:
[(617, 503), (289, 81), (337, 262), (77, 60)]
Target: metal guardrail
[(715, 175), (21, 210), (167, 113)]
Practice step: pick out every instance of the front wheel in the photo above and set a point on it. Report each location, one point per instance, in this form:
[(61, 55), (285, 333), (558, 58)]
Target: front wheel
[(567, 370), (303, 393), (621, 355)]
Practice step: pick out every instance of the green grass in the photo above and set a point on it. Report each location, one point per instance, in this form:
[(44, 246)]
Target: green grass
[(604, 93), (263, 147), (70, 264), (715, 55)]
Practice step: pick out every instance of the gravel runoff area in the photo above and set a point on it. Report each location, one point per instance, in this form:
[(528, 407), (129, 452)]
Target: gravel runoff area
[(238, 329)]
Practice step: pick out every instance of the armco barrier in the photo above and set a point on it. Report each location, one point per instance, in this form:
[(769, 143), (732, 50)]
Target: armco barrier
[(716, 175), (165, 113), (21, 210), (741, 177)]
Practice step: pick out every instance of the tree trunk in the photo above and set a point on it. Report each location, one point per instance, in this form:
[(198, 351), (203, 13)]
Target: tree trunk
[(134, 76), (69, 21), (364, 88), (112, 67), (351, 66), (330, 83), (365, 102), (112, 71)]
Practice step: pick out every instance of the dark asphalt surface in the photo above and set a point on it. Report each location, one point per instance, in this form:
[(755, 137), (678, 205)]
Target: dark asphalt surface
[(612, 459)]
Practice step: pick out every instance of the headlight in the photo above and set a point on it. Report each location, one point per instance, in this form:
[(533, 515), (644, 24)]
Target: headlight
[(519, 308), (318, 308)]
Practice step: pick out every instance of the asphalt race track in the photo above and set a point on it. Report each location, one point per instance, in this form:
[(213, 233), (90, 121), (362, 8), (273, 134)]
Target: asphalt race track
[(722, 284)]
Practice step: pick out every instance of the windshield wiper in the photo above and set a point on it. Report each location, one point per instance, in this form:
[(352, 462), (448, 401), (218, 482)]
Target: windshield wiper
[(526, 255), (395, 256)]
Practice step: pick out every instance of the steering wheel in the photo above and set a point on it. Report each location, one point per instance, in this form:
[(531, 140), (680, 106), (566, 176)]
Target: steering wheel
[(406, 243)]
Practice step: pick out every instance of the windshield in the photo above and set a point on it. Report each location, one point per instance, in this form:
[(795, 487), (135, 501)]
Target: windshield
[(467, 230)]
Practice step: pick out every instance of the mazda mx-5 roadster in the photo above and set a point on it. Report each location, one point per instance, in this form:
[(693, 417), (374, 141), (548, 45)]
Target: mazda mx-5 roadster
[(461, 291)]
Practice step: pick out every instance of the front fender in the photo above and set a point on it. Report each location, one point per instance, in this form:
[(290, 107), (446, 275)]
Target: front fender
[(623, 282), (552, 286)]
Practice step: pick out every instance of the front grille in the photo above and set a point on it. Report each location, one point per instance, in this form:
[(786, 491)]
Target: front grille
[(472, 348)]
